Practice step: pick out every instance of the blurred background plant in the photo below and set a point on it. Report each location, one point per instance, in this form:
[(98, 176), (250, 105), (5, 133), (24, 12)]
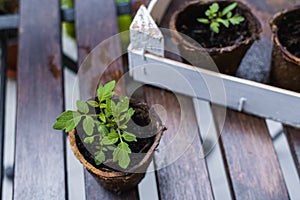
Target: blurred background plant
[(69, 27)]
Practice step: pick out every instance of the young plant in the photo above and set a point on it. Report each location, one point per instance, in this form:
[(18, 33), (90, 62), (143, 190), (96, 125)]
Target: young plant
[(225, 17), (107, 129)]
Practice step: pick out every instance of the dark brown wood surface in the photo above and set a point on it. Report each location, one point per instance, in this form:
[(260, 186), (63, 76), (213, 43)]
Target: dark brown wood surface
[(293, 135), (186, 177), (250, 157), (96, 21), (39, 154)]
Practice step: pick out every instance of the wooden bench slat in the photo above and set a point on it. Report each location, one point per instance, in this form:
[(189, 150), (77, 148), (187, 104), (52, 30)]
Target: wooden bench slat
[(39, 154), (251, 159), (96, 21), (293, 135), (187, 176)]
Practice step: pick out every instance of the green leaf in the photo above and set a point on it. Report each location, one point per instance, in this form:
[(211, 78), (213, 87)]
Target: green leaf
[(113, 134), (82, 106), (229, 15), (129, 137), (88, 125), (207, 13), (121, 155), (89, 140), (100, 92), (108, 89), (93, 103), (124, 146), (111, 138), (203, 20), (99, 157), (229, 8), (123, 126), (113, 108), (67, 115), (210, 14), (123, 104), (214, 7), (107, 141), (224, 22), (102, 129), (68, 120), (236, 19), (122, 117), (214, 26), (131, 112), (102, 117), (59, 125), (103, 105)]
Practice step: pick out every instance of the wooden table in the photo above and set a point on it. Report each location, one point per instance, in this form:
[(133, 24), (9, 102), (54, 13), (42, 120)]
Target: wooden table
[(250, 167)]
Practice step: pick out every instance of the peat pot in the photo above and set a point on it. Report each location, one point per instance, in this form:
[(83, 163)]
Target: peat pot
[(226, 48), (110, 176), (285, 67)]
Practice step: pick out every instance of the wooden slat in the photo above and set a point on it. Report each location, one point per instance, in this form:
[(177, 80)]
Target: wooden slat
[(187, 177), (96, 21), (252, 164), (39, 156), (293, 135), (2, 100)]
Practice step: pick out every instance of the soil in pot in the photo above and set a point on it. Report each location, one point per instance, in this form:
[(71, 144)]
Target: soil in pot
[(289, 34), (285, 68), (148, 129), (188, 25), (227, 47)]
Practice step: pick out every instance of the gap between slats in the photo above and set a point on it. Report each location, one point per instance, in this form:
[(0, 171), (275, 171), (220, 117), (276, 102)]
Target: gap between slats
[(9, 139), (285, 158)]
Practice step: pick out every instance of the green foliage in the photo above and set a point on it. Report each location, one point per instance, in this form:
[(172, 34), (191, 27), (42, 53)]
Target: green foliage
[(215, 17), (106, 129)]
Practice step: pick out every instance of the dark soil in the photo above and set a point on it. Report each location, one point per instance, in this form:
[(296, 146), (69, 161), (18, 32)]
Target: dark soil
[(187, 24), (289, 32), (141, 126)]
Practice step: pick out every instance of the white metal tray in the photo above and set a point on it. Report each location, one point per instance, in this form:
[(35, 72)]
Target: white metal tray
[(147, 64)]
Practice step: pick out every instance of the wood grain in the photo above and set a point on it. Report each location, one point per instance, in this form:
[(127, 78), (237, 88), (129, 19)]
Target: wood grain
[(251, 159), (39, 154), (187, 176), (96, 21), (293, 135)]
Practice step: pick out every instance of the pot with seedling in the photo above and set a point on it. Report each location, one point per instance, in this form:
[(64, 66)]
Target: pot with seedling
[(285, 68), (113, 137), (224, 29)]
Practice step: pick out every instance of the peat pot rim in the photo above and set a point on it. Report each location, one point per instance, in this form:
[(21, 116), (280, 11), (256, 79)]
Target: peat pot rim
[(103, 174), (215, 50), (275, 23)]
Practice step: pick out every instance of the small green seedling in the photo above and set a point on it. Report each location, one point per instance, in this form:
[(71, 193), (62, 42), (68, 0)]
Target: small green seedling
[(225, 17), (107, 129)]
